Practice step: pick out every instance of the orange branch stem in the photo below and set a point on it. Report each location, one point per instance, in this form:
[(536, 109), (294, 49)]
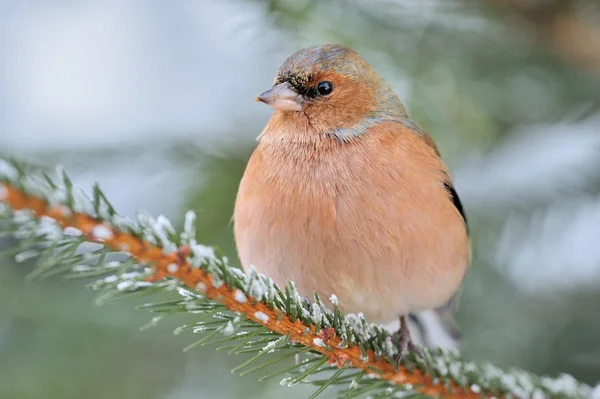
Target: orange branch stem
[(145, 252)]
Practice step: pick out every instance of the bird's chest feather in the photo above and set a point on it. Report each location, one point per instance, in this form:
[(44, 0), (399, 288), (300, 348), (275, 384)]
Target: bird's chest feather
[(287, 209), (342, 218)]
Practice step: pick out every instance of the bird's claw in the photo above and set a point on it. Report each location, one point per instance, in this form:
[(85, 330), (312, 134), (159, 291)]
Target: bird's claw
[(405, 343), (405, 346)]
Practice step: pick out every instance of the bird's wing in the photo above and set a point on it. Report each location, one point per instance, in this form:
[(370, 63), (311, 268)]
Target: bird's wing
[(447, 311), (456, 201), (448, 183)]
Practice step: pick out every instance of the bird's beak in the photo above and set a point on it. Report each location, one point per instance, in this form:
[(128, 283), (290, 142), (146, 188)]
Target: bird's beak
[(282, 97)]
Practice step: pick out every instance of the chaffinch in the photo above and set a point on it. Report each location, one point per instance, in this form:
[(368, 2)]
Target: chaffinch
[(346, 195)]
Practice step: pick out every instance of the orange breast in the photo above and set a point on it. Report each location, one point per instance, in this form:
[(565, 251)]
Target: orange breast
[(368, 220)]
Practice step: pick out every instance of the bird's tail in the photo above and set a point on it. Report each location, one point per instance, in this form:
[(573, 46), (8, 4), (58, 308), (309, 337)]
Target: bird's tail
[(438, 327)]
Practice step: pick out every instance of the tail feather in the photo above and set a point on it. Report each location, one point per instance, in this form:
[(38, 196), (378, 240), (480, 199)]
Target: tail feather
[(437, 329)]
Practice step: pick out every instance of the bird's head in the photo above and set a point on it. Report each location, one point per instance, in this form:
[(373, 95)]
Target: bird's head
[(334, 89)]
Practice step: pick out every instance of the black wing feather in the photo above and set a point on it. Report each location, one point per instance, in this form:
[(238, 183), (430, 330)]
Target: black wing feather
[(456, 202)]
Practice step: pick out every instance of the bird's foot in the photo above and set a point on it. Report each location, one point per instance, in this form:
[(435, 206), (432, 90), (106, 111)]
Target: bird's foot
[(405, 343)]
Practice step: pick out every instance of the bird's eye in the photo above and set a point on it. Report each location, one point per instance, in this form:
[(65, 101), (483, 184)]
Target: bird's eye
[(324, 88)]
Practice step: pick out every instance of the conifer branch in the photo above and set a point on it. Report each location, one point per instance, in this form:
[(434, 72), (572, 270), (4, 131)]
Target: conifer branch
[(240, 312)]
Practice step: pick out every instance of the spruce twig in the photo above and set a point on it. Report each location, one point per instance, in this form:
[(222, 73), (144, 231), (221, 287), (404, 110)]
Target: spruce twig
[(55, 220)]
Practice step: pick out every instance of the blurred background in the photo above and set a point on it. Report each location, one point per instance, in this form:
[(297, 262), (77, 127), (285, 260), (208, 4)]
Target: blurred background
[(154, 100)]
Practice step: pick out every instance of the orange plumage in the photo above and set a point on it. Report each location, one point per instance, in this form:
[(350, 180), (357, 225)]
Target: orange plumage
[(345, 195)]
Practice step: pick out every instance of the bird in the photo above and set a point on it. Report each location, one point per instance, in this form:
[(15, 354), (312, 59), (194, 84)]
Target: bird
[(345, 195)]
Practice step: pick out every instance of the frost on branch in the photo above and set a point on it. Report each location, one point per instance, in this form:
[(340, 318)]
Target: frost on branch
[(69, 233)]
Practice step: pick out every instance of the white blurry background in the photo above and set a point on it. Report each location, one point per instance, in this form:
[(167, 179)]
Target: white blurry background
[(154, 100)]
